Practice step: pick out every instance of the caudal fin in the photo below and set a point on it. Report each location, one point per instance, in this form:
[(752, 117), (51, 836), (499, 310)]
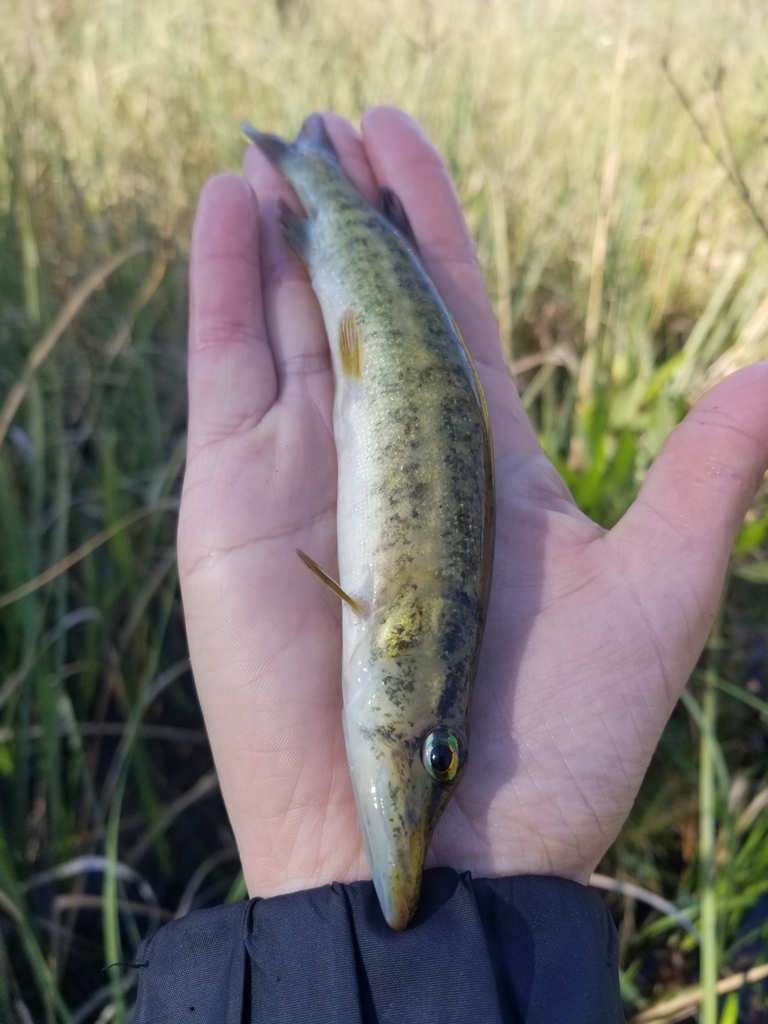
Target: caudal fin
[(314, 135)]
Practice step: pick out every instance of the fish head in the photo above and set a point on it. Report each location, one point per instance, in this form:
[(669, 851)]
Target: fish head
[(403, 775)]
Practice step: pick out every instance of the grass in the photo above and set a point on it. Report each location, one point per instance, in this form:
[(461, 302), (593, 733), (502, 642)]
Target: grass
[(627, 274)]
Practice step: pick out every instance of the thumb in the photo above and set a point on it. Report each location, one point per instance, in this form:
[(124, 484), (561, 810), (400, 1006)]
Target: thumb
[(675, 540)]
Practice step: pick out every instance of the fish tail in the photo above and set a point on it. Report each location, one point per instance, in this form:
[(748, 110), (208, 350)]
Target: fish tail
[(310, 164), (314, 136)]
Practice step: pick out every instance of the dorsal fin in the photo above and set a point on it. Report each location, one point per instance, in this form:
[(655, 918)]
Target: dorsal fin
[(394, 211), (294, 227)]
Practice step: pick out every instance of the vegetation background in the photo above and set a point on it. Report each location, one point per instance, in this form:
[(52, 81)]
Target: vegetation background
[(612, 161)]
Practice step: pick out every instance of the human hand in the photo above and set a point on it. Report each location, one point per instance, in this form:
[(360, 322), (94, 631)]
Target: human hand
[(591, 635)]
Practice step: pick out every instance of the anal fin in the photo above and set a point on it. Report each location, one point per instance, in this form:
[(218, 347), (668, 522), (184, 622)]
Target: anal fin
[(312, 565)]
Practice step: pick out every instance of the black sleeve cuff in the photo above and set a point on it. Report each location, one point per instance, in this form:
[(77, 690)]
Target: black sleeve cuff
[(538, 950)]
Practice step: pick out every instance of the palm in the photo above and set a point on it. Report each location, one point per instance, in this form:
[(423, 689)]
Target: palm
[(590, 635)]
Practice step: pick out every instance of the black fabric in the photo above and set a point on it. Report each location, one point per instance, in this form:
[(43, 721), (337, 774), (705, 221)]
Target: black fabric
[(195, 970), (526, 950)]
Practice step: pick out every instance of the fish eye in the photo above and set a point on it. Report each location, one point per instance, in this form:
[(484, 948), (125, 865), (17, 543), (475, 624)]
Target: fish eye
[(441, 755)]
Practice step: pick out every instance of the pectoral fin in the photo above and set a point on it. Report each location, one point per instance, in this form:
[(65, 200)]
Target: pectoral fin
[(312, 565)]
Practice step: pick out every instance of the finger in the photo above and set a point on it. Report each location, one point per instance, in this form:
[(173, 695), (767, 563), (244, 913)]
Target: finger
[(231, 371), (403, 159), (676, 538)]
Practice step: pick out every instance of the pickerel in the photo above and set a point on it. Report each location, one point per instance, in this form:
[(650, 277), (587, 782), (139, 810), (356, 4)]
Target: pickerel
[(415, 508)]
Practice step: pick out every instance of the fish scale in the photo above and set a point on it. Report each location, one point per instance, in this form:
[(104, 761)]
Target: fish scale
[(414, 509)]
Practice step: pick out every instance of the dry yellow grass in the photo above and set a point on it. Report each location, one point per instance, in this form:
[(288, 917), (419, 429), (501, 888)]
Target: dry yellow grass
[(627, 274), (128, 107)]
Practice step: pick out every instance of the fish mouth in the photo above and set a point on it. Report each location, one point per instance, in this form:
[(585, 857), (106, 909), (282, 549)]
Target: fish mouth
[(397, 866), (398, 807)]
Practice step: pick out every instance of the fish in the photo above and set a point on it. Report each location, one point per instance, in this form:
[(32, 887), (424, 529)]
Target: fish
[(415, 507)]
